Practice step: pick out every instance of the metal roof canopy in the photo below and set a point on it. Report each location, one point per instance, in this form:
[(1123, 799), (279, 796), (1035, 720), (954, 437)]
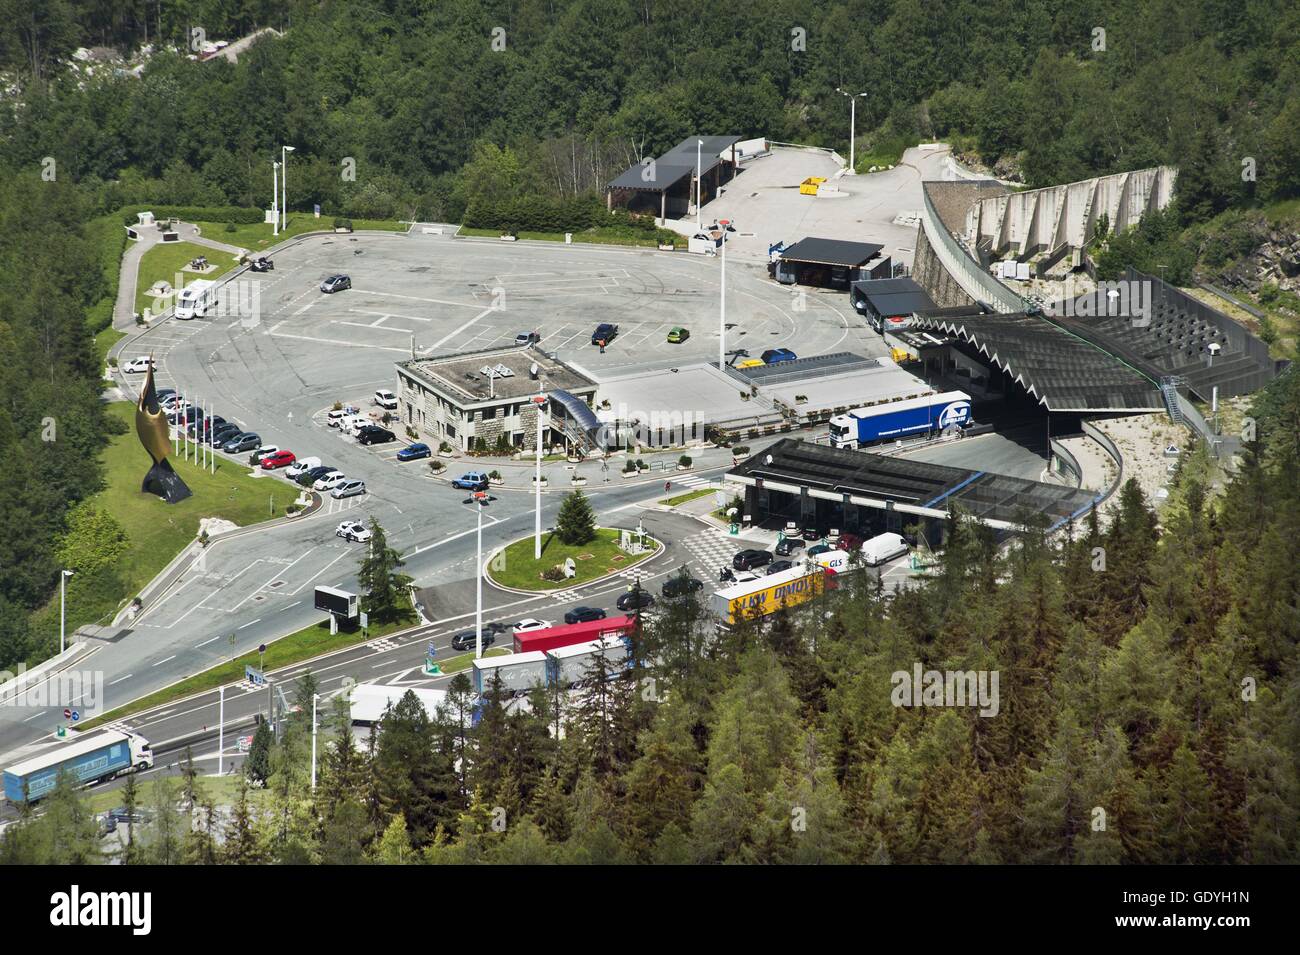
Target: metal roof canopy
[(889, 297), (1062, 371), (817, 251), (578, 410), (910, 486), (678, 162)]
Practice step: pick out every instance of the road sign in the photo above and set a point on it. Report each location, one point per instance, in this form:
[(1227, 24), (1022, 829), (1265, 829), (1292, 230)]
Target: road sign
[(432, 651), (253, 675), (245, 743), (668, 486), (60, 731), (67, 714), (75, 716)]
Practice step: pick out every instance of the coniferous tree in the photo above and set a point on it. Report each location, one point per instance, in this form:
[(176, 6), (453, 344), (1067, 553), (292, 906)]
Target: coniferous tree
[(576, 522), (379, 576)]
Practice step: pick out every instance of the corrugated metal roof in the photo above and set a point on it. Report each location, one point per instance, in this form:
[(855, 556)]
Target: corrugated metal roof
[(832, 252)]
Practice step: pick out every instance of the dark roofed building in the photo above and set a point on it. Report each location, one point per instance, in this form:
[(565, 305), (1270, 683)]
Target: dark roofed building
[(865, 493), (829, 263), (884, 301), (666, 185)]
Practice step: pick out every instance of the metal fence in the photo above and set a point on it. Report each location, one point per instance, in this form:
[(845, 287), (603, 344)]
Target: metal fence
[(974, 280)]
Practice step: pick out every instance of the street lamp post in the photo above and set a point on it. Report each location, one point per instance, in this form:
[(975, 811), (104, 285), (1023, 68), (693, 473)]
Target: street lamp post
[(853, 118), (63, 617), (284, 184), (722, 309), (221, 728), (699, 186), (314, 698), (481, 499), (275, 198), (540, 403)]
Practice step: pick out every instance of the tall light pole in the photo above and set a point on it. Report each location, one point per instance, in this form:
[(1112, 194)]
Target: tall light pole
[(275, 198), (479, 498), (314, 698), (853, 117), (699, 187), (722, 310), (284, 184), (539, 402), (63, 617), (221, 729)]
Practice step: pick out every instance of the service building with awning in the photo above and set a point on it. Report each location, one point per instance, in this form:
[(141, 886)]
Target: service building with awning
[(666, 185)]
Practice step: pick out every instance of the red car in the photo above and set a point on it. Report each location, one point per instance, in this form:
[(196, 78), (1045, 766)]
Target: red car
[(281, 459)]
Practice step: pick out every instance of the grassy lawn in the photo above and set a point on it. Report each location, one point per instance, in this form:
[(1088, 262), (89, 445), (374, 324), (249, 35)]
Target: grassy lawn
[(158, 531), (592, 236), (222, 790), (515, 567), (302, 645), (462, 662), (104, 342), (688, 496), (256, 236), (165, 260)]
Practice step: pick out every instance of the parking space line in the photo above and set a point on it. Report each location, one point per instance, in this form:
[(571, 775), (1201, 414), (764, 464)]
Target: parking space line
[(452, 334)]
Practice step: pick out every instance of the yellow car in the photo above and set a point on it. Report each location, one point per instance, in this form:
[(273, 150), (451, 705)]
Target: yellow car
[(751, 363), (678, 335)]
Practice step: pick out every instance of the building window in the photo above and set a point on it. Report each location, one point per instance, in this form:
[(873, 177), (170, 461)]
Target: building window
[(451, 431)]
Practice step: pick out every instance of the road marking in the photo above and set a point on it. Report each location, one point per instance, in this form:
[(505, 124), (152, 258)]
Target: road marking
[(250, 623), (128, 676), (161, 662), (206, 642), (452, 334)]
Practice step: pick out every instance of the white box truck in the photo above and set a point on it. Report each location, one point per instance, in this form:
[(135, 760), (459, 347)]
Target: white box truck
[(195, 299), (883, 547), (520, 672), (568, 665), (86, 760)]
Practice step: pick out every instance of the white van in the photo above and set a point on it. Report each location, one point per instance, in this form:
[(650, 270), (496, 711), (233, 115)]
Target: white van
[(351, 424), (836, 561), (883, 547), (195, 299), (386, 399), (301, 466)]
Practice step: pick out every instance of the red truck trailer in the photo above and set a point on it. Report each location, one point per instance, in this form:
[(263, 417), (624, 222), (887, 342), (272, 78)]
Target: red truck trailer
[(569, 634)]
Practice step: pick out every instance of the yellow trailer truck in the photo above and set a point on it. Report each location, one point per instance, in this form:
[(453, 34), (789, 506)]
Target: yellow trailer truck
[(757, 598)]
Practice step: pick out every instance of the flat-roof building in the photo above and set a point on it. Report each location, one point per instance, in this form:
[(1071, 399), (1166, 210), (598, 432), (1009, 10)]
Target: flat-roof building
[(484, 400), (829, 263)]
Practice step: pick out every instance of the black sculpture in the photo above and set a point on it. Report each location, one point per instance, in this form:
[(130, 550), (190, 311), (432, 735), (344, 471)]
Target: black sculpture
[(151, 427)]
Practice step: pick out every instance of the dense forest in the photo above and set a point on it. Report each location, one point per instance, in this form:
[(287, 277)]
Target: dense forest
[(1146, 714), (1121, 690)]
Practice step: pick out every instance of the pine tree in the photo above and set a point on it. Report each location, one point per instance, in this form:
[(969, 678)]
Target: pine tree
[(386, 589), (394, 846), (242, 843), (257, 765), (576, 522)]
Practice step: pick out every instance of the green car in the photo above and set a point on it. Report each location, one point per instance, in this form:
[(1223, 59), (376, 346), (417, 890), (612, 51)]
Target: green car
[(678, 335)]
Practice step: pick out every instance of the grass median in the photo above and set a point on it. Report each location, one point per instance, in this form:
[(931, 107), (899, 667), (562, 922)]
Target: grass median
[(166, 262), (590, 237), (258, 235), (302, 645), (688, 496), (515, 566)]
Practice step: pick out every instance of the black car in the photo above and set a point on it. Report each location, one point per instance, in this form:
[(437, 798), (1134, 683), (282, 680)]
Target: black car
[(749, 559), (209, 425), (336, 283), (604, 333), (787, 546), (680, 586), (466, 639), (373, 434), (635, 600), (311, 476), (584, 615), (261, 264), (779, 565), (812, 534)]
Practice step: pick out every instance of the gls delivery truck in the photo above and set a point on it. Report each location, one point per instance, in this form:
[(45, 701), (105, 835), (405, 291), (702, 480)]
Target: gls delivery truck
[(87, 760), (898, 419)]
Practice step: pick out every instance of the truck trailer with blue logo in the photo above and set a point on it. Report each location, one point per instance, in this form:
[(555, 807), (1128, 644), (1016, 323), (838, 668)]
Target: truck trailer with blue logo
[(898, 419), (86, 760)]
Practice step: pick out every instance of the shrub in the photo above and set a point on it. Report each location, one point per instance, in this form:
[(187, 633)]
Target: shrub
[(629, 466), (740, 450), (341, 223), (494, 475), (230, 214), (684, 460), (555, 573)]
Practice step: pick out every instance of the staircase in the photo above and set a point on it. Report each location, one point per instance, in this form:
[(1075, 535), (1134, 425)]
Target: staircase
[(1169, 390)]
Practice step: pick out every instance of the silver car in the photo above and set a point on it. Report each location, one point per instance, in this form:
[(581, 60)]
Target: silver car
[(349, 489)]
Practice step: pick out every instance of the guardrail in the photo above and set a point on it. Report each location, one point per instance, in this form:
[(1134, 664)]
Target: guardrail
[(1068, 461), (975, 282)]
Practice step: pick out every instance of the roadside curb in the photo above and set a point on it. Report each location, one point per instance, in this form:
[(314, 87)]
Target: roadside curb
[(662, 549)]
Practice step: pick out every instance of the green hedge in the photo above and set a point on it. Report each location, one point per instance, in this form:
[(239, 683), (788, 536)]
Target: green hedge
[(532, 214), (235, 214)]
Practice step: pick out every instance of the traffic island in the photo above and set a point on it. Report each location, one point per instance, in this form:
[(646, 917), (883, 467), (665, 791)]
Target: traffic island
[(562, 565)]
